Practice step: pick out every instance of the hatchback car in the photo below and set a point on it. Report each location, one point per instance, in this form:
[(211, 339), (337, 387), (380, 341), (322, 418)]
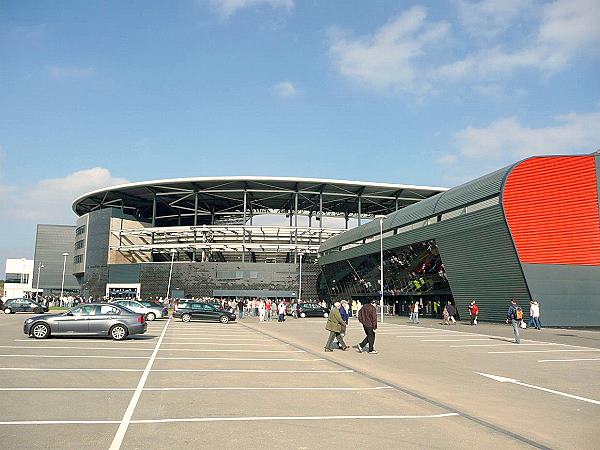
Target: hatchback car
[(188, 311), (312, 310), (15, 305), (137, 307), (93, 319)]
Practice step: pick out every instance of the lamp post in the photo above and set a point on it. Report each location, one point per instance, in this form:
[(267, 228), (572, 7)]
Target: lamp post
[(381, 264), (173, 251), (62, 285), (300, 281), (37, 286)]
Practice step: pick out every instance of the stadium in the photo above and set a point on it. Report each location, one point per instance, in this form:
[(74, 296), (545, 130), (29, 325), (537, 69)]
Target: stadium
[(221, 236)]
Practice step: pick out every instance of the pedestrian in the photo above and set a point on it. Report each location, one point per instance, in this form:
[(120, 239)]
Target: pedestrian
[(473, 312), (415, 314), (512, 316), (345, 317), (261, 310), (241, 304), (281, 310), (334, 325), (534, 312), (446, 316), (367, 316), (354, 308), (451, 311)]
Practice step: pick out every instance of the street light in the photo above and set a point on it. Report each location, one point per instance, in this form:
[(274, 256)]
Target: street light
[(62, 285), (381, 264), (173, 251), (37, 286), (300, 281)]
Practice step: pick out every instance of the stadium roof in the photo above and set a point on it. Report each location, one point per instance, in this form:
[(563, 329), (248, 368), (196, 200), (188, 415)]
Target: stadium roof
[(224, 196)]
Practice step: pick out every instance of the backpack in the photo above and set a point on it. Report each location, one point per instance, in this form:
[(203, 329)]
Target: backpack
[(519, 313)]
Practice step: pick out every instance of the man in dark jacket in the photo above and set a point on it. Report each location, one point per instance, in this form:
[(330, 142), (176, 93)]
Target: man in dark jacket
[(367, 315)]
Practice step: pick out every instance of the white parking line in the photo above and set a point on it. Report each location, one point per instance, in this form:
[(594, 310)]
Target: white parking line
[(76, 356), (228, 350), (503, 344), (225, 419), (253, 371), (456, 340), (420, 335), (201, 388), (568, 360), (241, 359), (549, 351), (147, 349), (213, 337), (118, 439), (70, 369), (225, 344)]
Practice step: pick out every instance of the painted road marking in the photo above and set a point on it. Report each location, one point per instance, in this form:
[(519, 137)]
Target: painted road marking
[(147, 349), (502, 344), (539, 388), (75, 356), (568, 360), (228, 350), (191, 358), (201, 388), (120, 434), (549, 351), (33, 369), (253, 371), (225, 419), (222, 343)]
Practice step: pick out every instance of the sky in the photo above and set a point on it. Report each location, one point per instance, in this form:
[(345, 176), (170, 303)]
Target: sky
[(434, 93)]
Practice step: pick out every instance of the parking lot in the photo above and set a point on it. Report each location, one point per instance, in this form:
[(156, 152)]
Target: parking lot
[(270, 385)]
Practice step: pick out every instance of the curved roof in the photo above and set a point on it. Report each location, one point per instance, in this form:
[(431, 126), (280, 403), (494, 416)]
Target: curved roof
[(225, 195), (484, 187)]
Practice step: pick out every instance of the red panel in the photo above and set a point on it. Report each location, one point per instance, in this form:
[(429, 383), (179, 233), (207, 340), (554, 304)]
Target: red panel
[(551, 206)]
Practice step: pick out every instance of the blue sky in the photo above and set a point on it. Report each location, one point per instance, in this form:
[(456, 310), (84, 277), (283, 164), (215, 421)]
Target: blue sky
[(425, 92)]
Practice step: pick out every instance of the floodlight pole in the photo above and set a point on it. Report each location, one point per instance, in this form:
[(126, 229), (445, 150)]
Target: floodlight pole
[(381, 264), (300, 281), (62, 285), (173, 251)]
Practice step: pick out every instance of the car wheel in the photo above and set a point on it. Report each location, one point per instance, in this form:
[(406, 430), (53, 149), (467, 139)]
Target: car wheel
[(303, 315), (186, 318), (118, 332), (150, 316), (40, 331), (7, 311), (325, 315), (224, 319)]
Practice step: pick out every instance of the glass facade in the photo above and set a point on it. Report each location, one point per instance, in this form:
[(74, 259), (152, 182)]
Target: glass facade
[(411, 273)]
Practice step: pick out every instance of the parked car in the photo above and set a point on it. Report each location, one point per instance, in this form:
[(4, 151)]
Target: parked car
[(161, 310), (312, 310), (187, 311), (137, 307), (14, 305), (94, 319)]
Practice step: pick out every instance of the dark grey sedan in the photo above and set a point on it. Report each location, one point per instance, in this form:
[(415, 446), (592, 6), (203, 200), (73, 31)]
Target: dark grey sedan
[(93, 319)]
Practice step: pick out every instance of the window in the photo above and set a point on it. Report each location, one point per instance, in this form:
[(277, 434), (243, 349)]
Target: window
[(107, 310), (78, 259), (80, 230), (17, 278), (79, 244)]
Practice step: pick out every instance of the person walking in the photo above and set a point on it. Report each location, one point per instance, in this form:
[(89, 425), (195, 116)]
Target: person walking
[(354, 308), (446, 316), (334, 325), (261, 310), (241, 304), (281, 310), (534, 312), (512, 316), (345, 317), (415, 314), (451, 311), (473, 312), (367, 316)]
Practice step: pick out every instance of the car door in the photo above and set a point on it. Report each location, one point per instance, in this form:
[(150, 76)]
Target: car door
[(196, 310), (211, 313), (76, 321), (101, 320)]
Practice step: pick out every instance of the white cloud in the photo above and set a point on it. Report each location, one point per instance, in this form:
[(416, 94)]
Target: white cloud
[(227, 8), (70, 72), (570, 24), (285, 89), (508, 140), (50, 200), (489, 18), (447, 159), (388, 58)]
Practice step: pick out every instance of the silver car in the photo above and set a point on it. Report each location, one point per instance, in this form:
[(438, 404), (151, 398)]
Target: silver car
[(94, 319)]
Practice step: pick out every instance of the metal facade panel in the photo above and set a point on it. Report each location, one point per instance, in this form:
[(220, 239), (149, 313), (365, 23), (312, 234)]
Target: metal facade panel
[(551, 206), (50, 244), (568, 295), (123, 273), (473, 191)]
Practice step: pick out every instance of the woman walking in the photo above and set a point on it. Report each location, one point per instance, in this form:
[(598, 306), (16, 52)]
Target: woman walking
[(334, 325)]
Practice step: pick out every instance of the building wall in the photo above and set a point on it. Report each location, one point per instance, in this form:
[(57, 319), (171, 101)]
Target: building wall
[(50, 244), (19, 277)]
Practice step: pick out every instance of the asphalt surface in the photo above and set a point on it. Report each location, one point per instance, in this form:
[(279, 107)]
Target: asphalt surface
[(271, 385)]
